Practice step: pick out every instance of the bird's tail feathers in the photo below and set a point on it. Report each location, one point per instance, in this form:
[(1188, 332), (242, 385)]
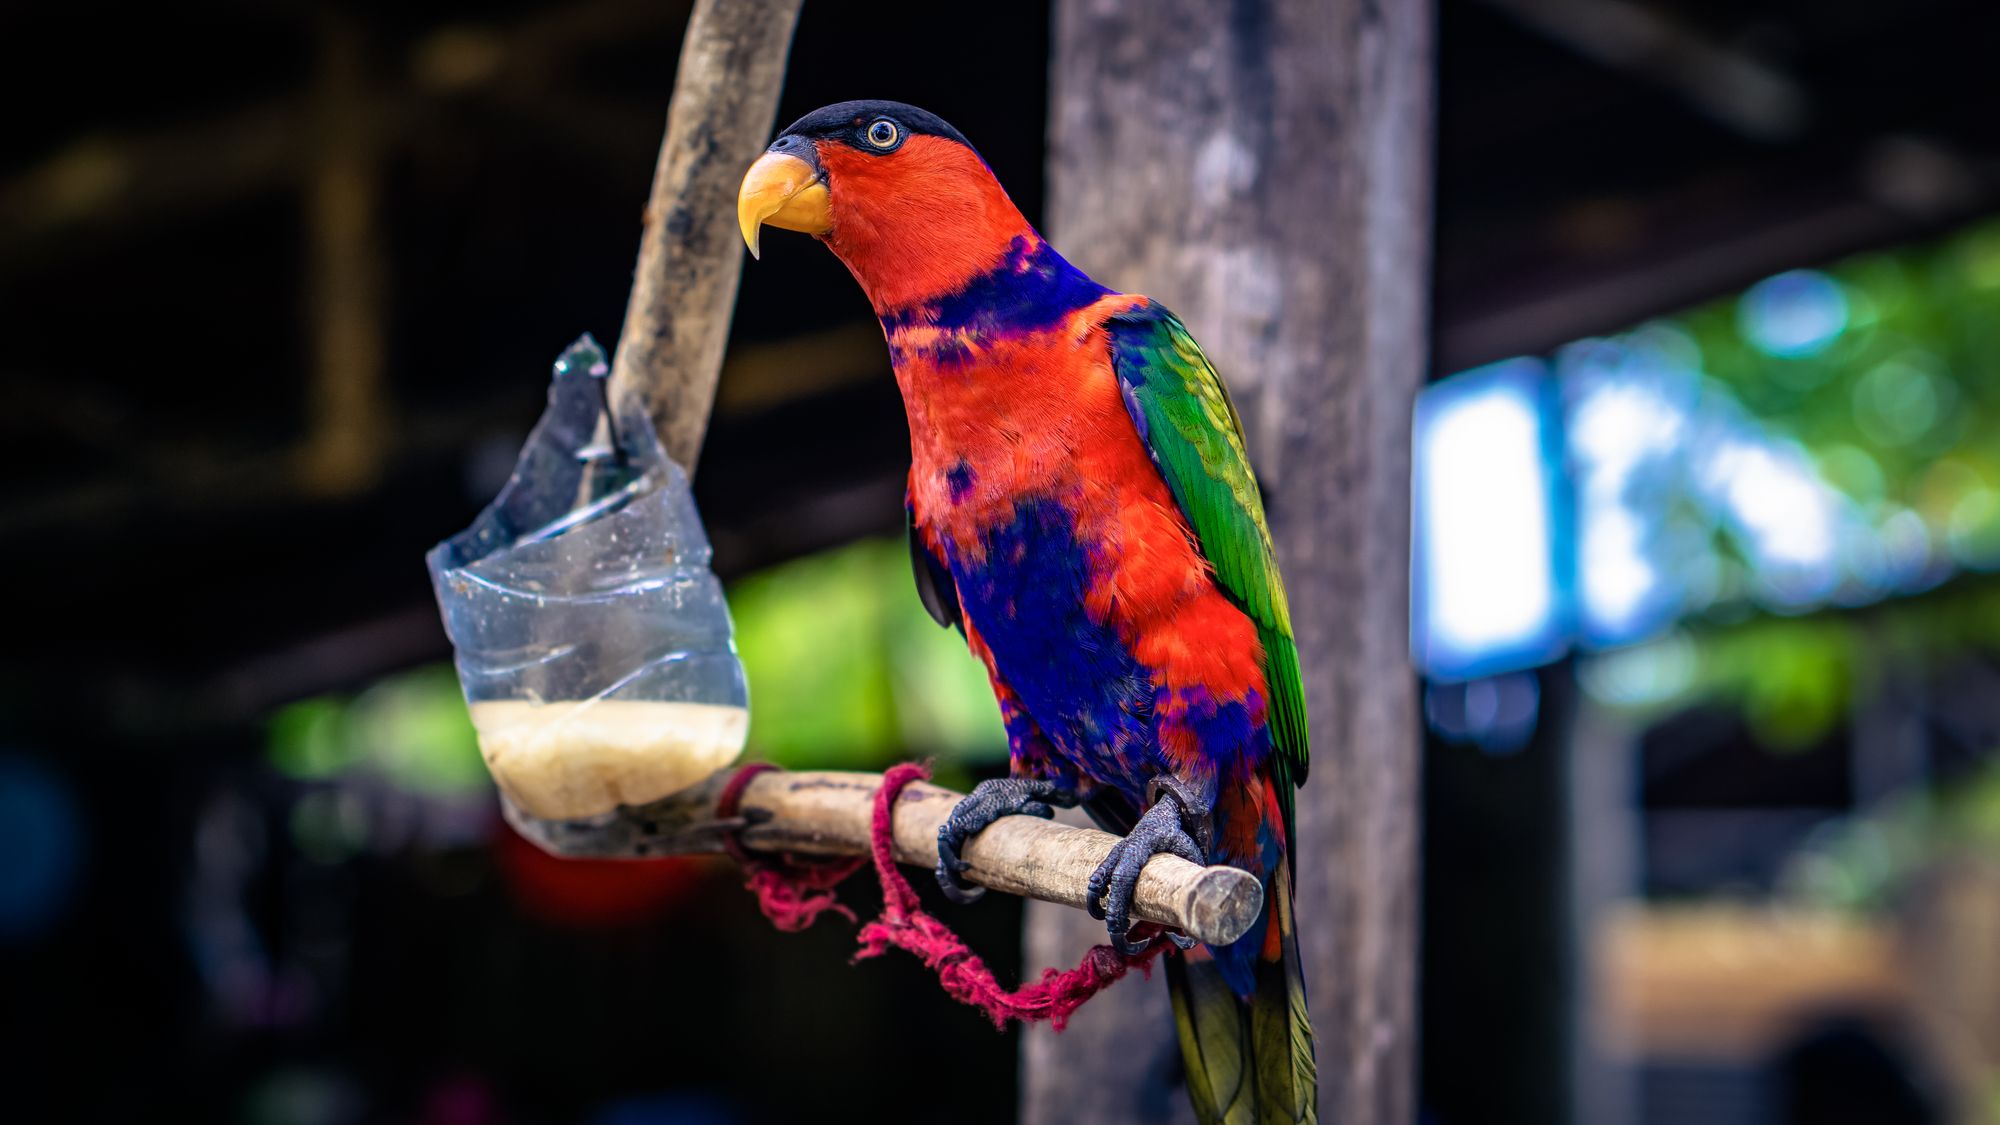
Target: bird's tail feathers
[(1249, 1060)]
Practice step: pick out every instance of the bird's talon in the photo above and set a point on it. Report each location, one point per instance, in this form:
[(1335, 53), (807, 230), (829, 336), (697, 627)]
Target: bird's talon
[(1181, 941), (988, 802), (1162, 829), (1093, 891), (1129, 947), (955, 888)]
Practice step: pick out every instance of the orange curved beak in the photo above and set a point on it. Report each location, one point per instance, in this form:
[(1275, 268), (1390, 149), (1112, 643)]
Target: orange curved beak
[(785, 192)]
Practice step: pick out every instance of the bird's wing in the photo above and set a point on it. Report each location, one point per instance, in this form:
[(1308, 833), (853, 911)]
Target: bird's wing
[(1190, 427), (934, 582)]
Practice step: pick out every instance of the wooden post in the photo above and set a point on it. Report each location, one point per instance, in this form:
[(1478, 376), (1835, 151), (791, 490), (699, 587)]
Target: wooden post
[(349, 426), (1263, 168), (732, 69)]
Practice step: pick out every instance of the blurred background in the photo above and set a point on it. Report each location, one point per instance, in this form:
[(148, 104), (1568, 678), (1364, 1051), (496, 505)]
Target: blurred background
[(1707, 511)]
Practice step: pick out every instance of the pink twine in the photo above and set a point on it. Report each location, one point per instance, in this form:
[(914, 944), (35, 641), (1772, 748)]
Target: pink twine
[(792, 895), (791, 892)]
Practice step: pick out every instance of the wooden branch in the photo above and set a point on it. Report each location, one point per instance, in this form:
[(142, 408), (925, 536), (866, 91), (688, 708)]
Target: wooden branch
[(690, 258), (828, 813)]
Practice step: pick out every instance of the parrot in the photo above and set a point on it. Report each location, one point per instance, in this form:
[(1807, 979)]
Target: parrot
[(1081, 506)]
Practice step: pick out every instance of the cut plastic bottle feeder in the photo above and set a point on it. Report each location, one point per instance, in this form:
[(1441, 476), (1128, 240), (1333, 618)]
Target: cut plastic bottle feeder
[(593, 642)]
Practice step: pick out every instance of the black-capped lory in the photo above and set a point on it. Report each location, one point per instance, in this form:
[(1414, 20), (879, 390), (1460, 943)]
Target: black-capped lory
[(1082, 507)]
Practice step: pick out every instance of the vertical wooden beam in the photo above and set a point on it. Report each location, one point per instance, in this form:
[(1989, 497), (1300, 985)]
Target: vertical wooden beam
[(1264, 168), (348, 416), (1497, 848), (732, 68), (1601, 755)]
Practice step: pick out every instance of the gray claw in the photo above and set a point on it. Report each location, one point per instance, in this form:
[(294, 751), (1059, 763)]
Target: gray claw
[(1129, 947), (988, 802), (1108, 894), (949, 868)]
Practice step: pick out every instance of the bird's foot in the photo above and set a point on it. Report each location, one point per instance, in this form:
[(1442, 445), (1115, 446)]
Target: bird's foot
[(988, 802), (1177, 822)]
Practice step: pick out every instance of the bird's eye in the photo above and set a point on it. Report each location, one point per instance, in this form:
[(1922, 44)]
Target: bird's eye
[(882, 133)]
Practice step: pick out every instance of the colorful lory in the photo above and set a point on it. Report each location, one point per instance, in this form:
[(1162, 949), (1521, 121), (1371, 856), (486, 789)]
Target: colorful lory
[(1082, 508)]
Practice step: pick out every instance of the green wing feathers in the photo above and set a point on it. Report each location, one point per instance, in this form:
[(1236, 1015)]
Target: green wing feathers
[(1249, 1060), (1190, 426)]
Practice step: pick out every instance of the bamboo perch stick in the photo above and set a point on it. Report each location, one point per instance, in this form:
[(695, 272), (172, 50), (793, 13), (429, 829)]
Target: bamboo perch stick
[(828, 813)]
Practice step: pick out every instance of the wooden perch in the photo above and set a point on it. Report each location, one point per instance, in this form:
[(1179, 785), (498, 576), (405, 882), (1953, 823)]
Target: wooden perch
[(827, 813)]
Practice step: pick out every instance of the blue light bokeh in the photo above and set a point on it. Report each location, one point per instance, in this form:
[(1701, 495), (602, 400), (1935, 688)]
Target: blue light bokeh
[(41, 847), (1596, 499), (1793, 315), (1488, 595)]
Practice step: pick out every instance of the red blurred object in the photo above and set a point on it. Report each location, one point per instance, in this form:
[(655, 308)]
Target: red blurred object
[(596, 893), (461, 1099)]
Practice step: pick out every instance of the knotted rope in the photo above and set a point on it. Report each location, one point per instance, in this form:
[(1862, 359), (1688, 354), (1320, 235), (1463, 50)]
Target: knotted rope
[(793, 893)]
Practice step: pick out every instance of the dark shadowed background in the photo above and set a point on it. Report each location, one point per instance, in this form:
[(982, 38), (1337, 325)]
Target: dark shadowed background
[(1709, 812)]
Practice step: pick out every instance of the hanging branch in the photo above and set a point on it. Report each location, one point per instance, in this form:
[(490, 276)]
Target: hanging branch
[(690, 256)]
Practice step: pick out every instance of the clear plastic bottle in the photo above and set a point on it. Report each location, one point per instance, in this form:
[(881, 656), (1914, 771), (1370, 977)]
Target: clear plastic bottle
[(593, 642)]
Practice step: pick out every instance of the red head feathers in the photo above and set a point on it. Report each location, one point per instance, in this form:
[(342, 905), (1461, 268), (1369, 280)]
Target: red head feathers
[(895, 192)]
